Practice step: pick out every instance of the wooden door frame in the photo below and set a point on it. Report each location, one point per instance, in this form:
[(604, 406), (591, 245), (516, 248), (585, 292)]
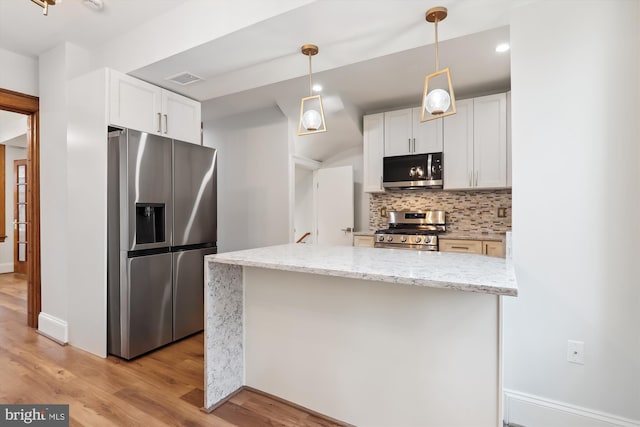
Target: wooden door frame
[(30, 105)]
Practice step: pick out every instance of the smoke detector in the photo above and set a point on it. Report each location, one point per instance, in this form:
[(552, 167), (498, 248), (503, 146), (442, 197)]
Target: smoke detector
[(96, 5), (184, 78)]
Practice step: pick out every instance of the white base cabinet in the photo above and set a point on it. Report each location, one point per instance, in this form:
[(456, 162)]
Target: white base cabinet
[(136, 104)]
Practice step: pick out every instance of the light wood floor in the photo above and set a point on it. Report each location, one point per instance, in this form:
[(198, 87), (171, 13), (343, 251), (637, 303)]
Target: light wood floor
[(162, 388)]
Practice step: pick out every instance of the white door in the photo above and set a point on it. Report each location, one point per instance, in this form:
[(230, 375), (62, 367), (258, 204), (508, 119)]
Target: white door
[(334, 195), (134, 104)]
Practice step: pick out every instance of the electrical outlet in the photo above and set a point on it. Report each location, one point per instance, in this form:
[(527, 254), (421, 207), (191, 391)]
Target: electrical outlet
[(575, 352), (502, 212)]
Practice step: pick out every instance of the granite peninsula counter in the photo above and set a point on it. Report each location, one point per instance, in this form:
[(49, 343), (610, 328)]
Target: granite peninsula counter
[(368, 336)]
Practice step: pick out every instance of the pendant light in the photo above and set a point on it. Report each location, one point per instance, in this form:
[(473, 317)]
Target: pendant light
[(44, 4), (438, 99), (311, 111)]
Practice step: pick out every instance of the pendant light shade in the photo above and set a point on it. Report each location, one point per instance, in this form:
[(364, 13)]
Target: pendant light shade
[(438, 99), (311, 110)]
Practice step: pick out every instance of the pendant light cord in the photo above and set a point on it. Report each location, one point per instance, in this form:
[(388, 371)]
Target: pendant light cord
[(436, 22), (310, 85)]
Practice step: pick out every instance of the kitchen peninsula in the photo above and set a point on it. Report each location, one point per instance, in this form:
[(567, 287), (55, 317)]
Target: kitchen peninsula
[(364, 335)]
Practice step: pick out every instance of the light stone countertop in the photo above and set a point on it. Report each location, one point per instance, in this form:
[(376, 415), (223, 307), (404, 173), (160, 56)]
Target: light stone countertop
[(463, 272)]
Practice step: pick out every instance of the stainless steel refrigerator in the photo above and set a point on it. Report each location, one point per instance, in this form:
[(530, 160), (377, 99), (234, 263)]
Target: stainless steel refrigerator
[(161, 223)]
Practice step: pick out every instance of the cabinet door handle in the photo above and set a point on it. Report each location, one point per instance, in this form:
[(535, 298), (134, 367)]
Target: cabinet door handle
[(414, 145), (460, 247), (409, 144), (159, 123), (166, 124)]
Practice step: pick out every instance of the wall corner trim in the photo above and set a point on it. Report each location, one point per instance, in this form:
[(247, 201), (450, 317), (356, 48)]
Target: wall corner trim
[(527, 409), (54, 328)]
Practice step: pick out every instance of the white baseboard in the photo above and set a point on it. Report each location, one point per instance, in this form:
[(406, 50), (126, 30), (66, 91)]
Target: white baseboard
[(53, 327), (6, 267), (534, 411)]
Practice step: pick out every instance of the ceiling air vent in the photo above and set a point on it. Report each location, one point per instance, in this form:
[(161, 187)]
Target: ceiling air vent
[(184, 78)]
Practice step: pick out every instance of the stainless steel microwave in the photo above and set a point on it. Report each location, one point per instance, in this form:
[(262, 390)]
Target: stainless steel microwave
[(412, 172)]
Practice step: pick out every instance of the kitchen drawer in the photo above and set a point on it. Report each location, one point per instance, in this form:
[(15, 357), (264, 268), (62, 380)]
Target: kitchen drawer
[(461, 246), (493, 248), (364, 241)]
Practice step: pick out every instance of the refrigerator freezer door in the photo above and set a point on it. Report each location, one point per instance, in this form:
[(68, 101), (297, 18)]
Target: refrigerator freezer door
[(194, 196), (147, 191), (147, 304), (188, 291)]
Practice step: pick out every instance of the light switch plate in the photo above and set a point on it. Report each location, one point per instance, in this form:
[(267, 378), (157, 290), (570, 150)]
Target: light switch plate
[(575, 352)]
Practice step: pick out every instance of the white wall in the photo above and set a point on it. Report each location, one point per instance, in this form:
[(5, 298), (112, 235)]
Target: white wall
[(575, 107), (253, 179), (57, 66), (354, 157), (6, 247), (304, 207), (18, 73)]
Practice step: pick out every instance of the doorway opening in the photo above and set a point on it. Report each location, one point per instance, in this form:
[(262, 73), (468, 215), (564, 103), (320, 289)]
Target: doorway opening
[(28, 105)]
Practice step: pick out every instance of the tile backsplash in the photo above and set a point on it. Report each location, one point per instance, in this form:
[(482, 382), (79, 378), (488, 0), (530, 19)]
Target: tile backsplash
[(467, 211)]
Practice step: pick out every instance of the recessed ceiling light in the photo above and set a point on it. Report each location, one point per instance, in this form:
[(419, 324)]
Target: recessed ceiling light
[(317, 88), (93, 4), (502, 47)]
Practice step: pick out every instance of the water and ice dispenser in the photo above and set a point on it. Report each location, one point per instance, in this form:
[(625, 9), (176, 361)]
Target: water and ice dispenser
[(150, 222)]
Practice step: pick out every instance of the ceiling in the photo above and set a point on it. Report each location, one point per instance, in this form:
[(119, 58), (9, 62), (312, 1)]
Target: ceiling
[(373, 56), (72, 22)]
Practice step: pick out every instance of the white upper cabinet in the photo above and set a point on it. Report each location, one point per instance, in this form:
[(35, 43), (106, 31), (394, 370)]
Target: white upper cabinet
[(373, 152), (428, 135), (475, 146), (398, 132), (404, 134), (490, 141), (181, 117), (458, 147), (134, 104), (139, 105)]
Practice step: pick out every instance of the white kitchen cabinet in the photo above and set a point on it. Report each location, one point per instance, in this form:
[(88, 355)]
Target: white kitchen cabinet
[(475, 146), (134, 104), (373, 152), (364, 241), (458, 147), (490, 141), (404, 134), (181, 117), (427, 136), (139, 105)]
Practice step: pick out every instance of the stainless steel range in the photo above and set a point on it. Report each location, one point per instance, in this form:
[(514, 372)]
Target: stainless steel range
[(412, 230)]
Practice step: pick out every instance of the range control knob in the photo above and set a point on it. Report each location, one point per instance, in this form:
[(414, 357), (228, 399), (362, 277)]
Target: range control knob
[(403, 239), (381, 238), (418, 239), (389, 238)]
